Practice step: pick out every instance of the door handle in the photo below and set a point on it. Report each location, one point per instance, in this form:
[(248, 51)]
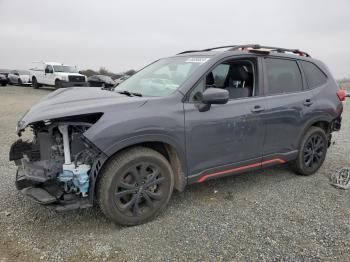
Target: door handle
[(257, 109), (308, 102)]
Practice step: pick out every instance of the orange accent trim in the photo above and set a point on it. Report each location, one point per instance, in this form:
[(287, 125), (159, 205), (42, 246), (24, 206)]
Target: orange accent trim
[(280, 160)]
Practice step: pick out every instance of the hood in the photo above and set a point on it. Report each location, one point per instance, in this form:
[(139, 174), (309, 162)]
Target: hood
[(76, 101)]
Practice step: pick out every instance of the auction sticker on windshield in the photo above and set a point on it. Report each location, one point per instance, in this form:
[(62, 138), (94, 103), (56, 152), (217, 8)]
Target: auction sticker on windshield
[(199, 60)]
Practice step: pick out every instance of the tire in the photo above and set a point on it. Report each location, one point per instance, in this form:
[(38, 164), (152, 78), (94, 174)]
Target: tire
[(35, 83), (128, 192), (58, 84), (19, 82), (3, 84), (312, 152)]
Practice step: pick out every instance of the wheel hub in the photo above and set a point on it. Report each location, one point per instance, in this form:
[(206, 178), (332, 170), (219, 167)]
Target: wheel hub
[(314, 151), (139, 189)]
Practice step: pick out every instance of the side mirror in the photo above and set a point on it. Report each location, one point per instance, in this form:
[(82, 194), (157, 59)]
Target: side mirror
[(213, 96)]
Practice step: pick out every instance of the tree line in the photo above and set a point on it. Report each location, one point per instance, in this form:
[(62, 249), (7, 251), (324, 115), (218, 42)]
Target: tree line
[(104, 71)]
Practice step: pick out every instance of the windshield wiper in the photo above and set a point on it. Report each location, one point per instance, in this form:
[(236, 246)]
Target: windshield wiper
[(128, 93)]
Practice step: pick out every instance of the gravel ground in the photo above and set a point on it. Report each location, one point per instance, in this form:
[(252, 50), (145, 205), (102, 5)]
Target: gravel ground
[(268, 215)]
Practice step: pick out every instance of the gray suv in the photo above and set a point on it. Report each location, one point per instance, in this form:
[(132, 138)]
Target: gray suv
[(184, 119)]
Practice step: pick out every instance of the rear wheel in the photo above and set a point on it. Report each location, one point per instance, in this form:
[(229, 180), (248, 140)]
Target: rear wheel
[(312, 152), (135, 186)]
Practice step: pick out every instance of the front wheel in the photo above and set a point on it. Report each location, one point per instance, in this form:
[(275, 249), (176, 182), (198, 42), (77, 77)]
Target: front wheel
[(135, 186), (19, 82), (35, 83), (312, 152), (58, 84)]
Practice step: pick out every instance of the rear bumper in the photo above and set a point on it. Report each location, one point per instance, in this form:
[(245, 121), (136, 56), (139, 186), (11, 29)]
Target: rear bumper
[(336, 124)]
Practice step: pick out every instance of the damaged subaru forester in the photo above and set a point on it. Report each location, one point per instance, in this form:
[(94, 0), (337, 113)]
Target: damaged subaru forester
[(184, 119)]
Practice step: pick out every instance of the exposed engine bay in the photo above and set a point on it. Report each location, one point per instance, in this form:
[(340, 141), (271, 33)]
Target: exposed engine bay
[(56, 165)]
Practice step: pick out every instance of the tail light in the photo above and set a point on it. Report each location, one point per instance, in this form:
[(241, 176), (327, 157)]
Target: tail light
[(341, 94)]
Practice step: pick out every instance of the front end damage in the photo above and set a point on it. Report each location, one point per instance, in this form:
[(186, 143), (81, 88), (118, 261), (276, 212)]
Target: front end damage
[(59, 166)]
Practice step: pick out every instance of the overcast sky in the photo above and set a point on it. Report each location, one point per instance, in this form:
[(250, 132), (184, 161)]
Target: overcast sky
[(121, 35)]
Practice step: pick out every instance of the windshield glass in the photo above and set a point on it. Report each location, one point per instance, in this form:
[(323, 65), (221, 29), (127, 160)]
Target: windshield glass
[(65, 69), (162, 77)]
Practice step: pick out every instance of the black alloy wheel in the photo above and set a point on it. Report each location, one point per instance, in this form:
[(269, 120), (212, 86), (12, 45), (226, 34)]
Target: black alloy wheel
[(312, 152), (135, 186), (139, 189)]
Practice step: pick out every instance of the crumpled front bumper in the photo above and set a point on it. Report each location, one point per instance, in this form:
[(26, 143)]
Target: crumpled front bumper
[(47, 193)]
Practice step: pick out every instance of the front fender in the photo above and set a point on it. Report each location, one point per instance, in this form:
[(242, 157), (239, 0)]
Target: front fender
[(156, 137)]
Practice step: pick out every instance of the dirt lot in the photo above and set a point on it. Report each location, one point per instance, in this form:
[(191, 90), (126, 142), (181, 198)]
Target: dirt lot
[(269, 215)]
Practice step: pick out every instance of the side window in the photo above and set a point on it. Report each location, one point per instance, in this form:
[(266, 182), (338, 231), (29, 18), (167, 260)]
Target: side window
[(314, 76), (220, 74), (283, 76), (196, 93), (49, 69), (237, 77)]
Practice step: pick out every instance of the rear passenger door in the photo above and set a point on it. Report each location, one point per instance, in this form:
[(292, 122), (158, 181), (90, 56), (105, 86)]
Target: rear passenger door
[(289, 106)]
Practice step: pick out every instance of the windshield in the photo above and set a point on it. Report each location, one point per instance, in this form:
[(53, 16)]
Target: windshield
[(162, 77), (65, 69)]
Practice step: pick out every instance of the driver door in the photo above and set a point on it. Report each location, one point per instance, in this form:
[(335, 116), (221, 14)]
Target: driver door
[(49, 78), (227, 138)]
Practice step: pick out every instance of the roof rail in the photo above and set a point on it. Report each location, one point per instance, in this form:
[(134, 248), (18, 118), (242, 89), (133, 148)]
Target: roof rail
[(207, 49), (252, 47)]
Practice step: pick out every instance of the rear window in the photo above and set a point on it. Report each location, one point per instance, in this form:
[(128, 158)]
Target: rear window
[(283, 76), (314, 76)]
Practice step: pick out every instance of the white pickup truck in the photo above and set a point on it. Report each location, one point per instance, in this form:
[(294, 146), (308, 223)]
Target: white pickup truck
[(57, 75)]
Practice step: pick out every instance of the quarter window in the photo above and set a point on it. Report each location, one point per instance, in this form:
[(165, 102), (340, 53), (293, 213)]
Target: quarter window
[(283, 76), (314, 76)]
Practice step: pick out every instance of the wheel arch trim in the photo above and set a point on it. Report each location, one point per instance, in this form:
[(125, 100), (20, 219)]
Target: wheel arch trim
[(311, 123), (173, 149)]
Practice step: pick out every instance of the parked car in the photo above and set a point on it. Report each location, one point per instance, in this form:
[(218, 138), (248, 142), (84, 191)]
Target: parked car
[(121, 79), (19, 77), (217, 114), (101, 81), (57, 75), (347, 93), (5, 72), (3, 80)]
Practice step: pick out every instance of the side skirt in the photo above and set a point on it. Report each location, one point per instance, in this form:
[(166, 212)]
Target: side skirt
[(243, 166)]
